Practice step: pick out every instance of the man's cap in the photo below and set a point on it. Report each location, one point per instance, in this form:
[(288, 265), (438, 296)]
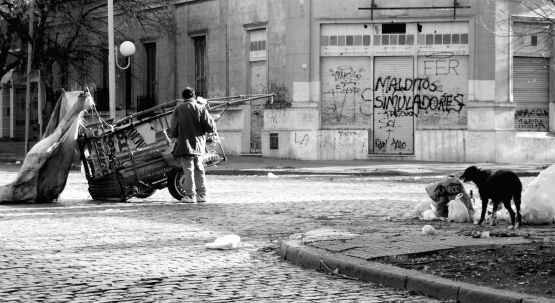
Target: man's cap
[(188, 93)]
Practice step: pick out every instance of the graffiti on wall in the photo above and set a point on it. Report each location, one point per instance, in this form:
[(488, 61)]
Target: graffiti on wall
[(344, 81), (281, 92), (346, 89), (393, 105), (532, 119), (388, 101), (444, 107), (412, 96), (435, 98), (301, 139)]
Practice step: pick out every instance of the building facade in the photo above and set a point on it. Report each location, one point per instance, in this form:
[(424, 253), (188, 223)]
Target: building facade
[(429, 80)]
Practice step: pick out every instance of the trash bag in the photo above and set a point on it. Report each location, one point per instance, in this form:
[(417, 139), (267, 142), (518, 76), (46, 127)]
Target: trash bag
[(501, 215), (225, 242), (538, 201), (428, 230), (445, 190), (420, 208), (430, 214), (457, 210)]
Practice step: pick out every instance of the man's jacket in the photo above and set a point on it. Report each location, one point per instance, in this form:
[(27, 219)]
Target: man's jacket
[(190, 122)]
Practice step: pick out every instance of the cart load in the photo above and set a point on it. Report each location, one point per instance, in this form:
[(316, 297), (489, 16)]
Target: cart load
[(43, 174)]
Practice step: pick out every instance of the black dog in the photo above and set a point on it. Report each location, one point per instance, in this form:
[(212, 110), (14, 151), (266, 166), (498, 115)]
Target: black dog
[(499, 186)]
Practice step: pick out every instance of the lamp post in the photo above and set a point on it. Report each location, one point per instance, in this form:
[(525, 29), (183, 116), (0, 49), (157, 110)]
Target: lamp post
[(28, 89), (111, 61), (127, 49)]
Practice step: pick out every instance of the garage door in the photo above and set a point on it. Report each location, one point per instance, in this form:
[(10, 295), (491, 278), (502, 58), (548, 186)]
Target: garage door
[(393, 107), (531, 93)]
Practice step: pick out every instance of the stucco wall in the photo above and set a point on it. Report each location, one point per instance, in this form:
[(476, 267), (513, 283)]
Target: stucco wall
[(199, 18), (482, 131)]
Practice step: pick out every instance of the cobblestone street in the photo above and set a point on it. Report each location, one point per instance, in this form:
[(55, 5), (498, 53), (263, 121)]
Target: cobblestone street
[(152, 250)]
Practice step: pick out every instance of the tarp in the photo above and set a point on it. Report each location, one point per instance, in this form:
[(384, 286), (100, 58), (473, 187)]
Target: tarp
[(538, 201), (43, 174)]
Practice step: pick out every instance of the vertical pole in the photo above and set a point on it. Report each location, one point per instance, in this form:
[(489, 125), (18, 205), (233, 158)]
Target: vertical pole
[(111, 61), (40, 102), (12, 108), (372, 11), (28, 92)]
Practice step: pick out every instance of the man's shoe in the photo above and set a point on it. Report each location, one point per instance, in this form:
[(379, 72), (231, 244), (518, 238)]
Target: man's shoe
[(201, 199), (188, 199)]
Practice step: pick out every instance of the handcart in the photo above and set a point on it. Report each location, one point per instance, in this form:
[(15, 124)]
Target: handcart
[(132, 157)]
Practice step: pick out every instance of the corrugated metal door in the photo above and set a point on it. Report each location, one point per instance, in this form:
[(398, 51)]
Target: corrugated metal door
[(531, 93), (393, 106)]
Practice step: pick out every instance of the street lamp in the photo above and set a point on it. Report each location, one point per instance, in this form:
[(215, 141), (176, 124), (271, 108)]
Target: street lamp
[(127, 49)]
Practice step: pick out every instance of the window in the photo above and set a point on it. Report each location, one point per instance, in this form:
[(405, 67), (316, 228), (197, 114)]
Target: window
[(534, 40), (200, 65), (366, 40), (100, 94), (149, 99), (394, 28), (274, 141), (150, 49)]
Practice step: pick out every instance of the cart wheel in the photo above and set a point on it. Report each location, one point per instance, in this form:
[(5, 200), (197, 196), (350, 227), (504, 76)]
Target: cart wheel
[(175, 179)]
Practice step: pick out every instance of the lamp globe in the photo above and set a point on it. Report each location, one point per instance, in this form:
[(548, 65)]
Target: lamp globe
[(127, 48)]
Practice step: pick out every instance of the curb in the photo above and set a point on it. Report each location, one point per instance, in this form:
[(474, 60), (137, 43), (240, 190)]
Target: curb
[(399, 278), (382, 173), (10, 159), (311, 172), (264, 172)]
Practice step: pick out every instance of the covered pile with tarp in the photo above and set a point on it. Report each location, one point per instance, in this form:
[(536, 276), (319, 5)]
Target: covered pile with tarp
[(43, 174)]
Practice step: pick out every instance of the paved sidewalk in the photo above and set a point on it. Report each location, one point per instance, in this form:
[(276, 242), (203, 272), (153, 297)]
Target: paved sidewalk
[(12, 152), (262, 166)]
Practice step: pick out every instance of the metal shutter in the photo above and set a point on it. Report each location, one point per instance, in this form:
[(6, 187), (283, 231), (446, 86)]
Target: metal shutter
[(393, 106), (531, 93)]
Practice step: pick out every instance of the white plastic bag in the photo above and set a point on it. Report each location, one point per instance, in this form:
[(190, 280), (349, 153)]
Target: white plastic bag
[(428, 230), (457, 210), (420, 208), (225, 242), (430, 214), (538, 201)]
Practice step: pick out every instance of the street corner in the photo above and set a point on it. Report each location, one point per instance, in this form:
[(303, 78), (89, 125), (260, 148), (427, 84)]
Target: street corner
[(352, 266)]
